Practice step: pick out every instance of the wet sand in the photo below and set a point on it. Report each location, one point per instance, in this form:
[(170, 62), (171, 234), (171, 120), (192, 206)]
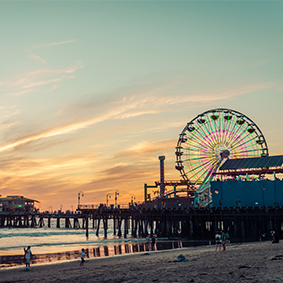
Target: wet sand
[(13, 258), (248, 262)]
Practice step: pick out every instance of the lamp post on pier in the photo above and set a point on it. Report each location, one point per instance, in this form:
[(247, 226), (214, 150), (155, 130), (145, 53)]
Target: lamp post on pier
[(132, 200), (107, 196), (50, 207), (116, 194), (79, 197)]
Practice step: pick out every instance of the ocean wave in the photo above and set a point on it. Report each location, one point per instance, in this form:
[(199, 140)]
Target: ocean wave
[(43, 233), (99, 242)]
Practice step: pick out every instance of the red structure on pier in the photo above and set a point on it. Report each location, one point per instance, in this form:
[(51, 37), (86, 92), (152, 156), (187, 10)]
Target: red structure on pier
[(162, 186)]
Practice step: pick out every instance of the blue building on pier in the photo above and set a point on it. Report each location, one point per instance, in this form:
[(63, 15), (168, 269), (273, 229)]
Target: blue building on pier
[(246, 183)]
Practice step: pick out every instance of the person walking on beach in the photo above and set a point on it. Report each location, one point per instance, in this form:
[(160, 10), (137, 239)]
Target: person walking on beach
[(82, 257), (152, 243), (223, 240), (147, 239), (227, 237), (27, 258), (275, 238), (218, 241)]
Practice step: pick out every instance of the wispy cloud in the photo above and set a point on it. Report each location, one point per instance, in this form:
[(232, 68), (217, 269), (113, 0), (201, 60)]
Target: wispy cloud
[(54, 43), (128, 107), (148, 148), (169, 99), (8, 124), (136, 114), (28, 82), (37, 58), (53, 88), (18, 93), (61, 130), (40, 83)]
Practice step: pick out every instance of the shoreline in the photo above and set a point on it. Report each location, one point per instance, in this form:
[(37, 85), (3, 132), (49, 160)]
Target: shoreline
[(67, 253), (254, 261), (89, 259)]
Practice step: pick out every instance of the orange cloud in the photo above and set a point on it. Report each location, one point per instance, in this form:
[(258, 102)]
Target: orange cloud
[(95, 174)]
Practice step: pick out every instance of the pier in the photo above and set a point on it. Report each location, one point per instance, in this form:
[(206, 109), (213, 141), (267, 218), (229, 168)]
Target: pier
[(243, 224), (33, 220)]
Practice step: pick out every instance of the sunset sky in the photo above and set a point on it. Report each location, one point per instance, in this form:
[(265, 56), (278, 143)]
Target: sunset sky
[(93, 92)]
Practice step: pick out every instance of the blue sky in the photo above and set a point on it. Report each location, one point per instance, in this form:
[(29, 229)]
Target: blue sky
[(93, 92)]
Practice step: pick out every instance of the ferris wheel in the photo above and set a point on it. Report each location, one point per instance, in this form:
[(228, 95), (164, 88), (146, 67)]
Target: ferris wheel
[(212, 137)]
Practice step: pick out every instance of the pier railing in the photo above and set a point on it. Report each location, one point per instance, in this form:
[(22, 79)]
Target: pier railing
[(95, 206), (103, 206)]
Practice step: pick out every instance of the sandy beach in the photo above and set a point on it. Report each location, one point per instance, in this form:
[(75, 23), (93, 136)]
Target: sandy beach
[(247, 262)]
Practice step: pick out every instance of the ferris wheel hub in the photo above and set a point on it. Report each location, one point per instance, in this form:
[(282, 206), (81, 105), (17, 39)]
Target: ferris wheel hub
[(223, 151)]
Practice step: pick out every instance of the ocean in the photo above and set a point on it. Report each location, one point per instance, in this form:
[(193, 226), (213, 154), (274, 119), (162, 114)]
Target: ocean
[(60, 244)]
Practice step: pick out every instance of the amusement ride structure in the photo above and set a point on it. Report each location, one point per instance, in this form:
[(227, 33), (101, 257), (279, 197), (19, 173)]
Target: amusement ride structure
[(204, 144)]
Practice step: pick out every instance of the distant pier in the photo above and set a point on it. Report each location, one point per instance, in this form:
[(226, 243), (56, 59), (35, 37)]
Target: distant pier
[(32, 220)]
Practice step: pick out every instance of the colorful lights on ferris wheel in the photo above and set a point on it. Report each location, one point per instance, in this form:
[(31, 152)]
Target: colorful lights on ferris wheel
[(213, 136)]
